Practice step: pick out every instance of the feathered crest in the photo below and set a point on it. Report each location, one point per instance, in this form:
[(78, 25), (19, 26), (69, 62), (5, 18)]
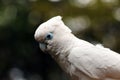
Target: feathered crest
[(57, 20)]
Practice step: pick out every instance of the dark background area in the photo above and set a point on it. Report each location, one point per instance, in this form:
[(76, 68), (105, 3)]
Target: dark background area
[(96, 21)]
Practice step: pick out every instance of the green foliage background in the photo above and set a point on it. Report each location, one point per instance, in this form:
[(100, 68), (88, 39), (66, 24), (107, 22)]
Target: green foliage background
[(20, 18)]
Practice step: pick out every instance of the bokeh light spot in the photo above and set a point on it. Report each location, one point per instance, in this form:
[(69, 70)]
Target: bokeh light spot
[(82, 3), (78, 23), (116, 14), (54, 0)]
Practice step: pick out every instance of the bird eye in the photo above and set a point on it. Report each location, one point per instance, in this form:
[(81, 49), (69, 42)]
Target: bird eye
[(49, 36)]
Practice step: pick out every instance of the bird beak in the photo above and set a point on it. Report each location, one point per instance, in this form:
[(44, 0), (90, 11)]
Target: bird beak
[(43, 46)]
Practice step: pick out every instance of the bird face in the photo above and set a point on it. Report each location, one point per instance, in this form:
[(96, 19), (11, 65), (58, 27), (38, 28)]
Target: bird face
[(50, 31), (45, 32), (43, 35)]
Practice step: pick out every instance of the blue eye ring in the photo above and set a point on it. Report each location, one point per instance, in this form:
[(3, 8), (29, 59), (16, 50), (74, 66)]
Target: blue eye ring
[(49, 36)]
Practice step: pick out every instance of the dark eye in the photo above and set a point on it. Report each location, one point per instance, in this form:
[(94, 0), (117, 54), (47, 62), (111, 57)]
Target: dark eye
[(49, 36)]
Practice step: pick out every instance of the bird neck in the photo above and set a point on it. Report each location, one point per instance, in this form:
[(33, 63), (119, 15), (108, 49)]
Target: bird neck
[(61, 50)]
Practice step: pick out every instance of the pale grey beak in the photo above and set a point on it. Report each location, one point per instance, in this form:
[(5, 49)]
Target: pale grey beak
[(42, 46)]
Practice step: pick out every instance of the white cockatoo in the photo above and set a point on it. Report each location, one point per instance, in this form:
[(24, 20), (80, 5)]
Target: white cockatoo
[(78, 58)]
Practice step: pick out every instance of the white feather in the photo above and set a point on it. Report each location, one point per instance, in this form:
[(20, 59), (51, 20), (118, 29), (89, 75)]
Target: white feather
[(80, 59), (97, 63)]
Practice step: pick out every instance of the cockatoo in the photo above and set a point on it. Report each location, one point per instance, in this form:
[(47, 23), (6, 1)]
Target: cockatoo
[(80, 59)]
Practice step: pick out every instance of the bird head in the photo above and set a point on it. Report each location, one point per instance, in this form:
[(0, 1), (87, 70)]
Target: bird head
[(50, 31)]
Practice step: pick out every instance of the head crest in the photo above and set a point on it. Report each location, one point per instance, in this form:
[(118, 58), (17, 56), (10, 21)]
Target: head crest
[(57, 20)]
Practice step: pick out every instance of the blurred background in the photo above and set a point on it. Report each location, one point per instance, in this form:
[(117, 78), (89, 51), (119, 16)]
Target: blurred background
[(96, 21)]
